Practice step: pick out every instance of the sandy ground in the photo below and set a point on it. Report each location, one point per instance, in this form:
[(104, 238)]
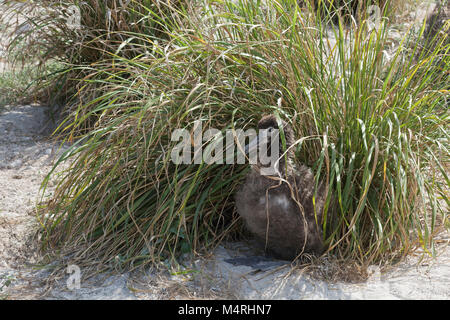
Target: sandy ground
[(232, 271)]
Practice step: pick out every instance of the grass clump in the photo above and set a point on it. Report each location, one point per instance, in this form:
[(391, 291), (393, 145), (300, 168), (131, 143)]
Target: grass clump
[(374, 124), (78, 35), (14, 85)]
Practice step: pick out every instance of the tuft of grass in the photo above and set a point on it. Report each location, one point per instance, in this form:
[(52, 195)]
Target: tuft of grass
[(25, 84), (5, 282), (373, 123), (50, 31), (14, 84)]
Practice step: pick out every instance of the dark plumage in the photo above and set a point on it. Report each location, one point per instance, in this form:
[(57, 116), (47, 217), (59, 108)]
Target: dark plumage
[(289, 225), (434, 25)]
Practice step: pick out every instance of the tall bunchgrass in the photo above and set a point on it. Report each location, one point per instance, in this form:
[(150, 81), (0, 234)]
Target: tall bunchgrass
[(14, 84), (373, 123), (50, 32)]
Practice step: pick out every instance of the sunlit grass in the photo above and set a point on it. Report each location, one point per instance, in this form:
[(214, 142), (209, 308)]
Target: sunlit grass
[(375, 125)]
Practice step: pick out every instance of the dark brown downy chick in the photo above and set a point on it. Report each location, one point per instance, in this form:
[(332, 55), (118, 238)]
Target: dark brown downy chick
[(279, 209)]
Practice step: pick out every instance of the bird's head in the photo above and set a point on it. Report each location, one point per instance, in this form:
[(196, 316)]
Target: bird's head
[(273, 139)]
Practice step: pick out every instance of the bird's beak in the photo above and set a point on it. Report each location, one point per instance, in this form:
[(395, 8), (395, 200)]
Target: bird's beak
[(261, 138)]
